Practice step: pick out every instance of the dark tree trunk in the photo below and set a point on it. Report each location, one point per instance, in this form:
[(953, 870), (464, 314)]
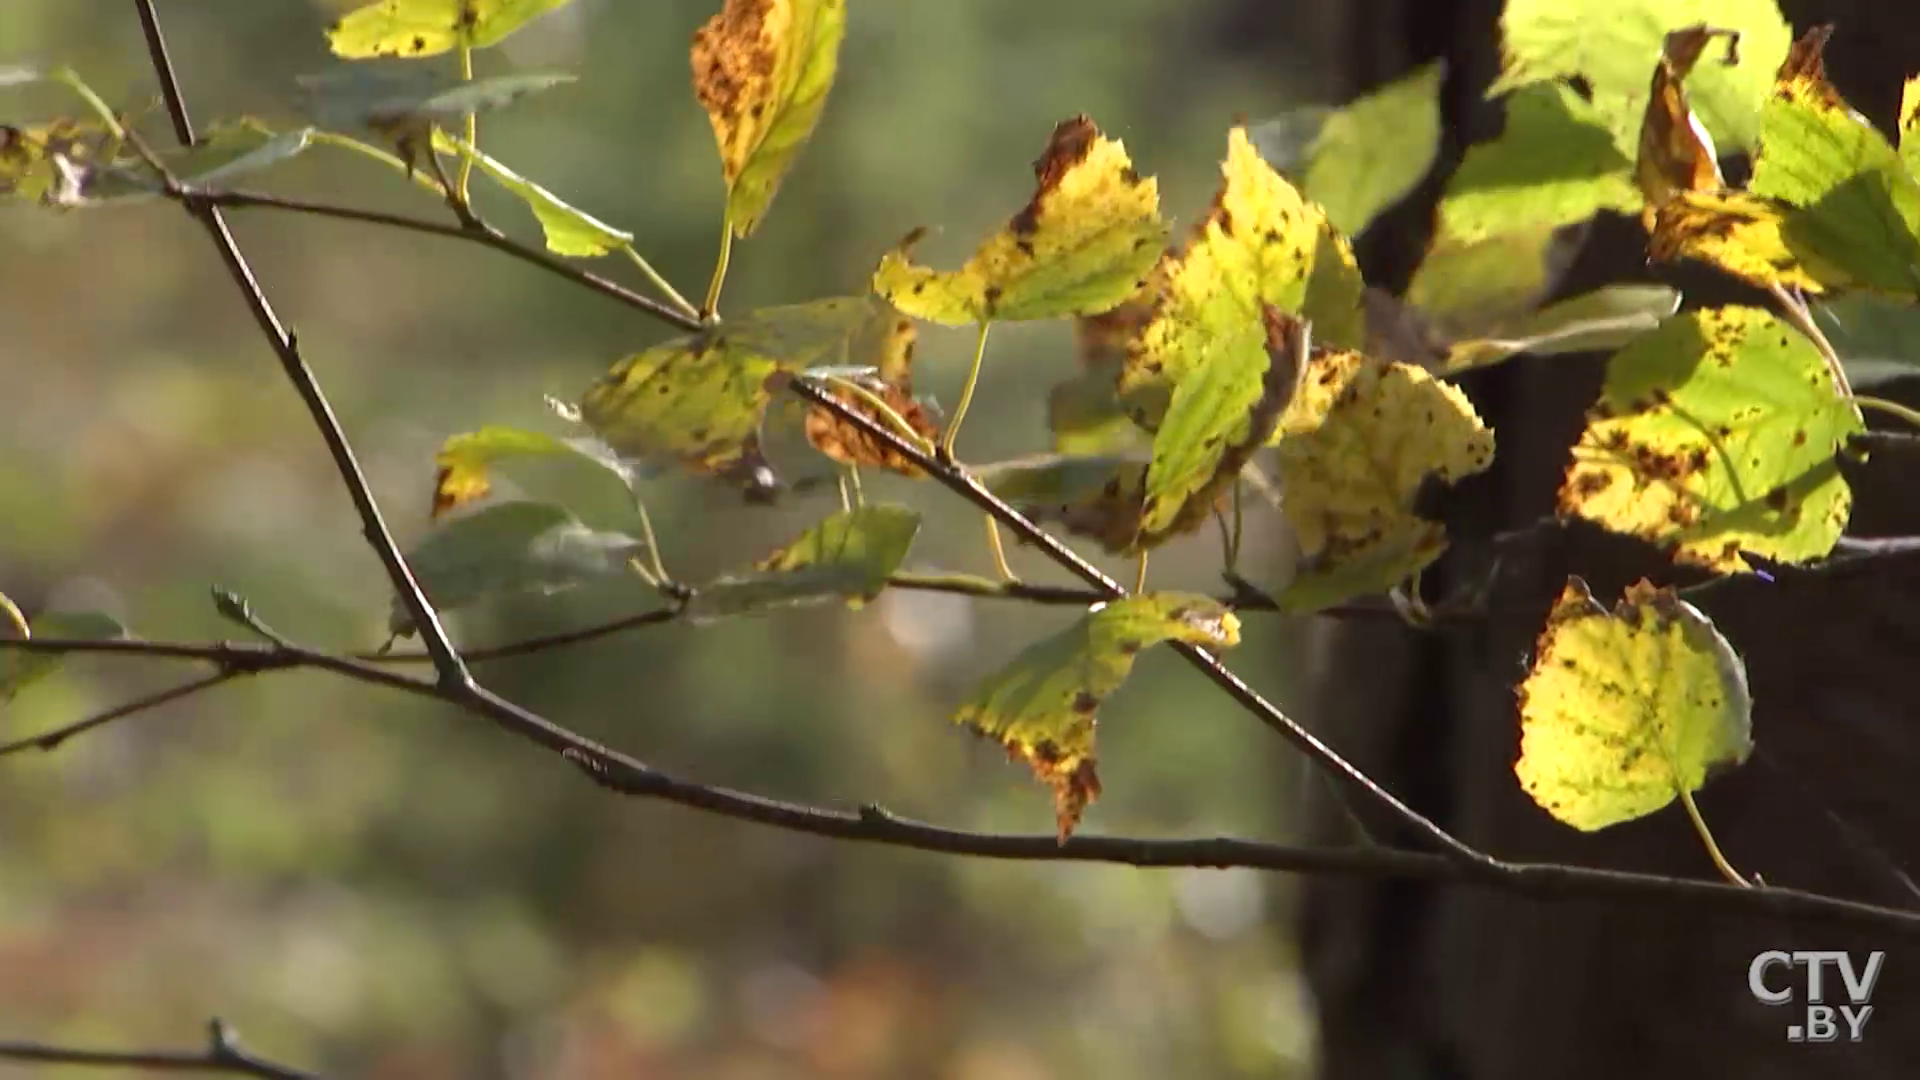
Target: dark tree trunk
[(1433, 983)]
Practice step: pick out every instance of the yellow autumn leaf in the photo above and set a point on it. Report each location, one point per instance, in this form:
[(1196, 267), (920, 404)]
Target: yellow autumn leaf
[(1625, 710), (415, 28), (1041, 707), (1676, 153), (1358, 443), (1740, 233), (1079, 247), (1910, 125), (1262, 243), (762, 69)]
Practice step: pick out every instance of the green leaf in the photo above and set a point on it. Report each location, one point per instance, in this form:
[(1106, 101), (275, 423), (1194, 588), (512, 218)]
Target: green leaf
[(1876, 337), (1606, 318), (762, 69), (700, 399), (1371, 153), (1860, 203), (1613, 45), (1086, 417), (1041, 707), (465, 462), (1624, 711), (1469, 287), (1098, 496), (512, 547), (223, 155), (1220, 414), (1910, 124), (417, 28), (1715, 434), (1554, 164), (376, 98), (19, 670), (569, 231), (849, 557)]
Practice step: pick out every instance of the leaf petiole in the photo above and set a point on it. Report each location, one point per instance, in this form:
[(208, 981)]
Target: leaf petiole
[(710, 312)]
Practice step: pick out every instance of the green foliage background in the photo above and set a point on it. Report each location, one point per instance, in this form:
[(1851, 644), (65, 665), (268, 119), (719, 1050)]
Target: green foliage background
[(363, 883)]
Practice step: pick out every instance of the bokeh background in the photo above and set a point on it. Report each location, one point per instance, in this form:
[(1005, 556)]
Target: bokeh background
[(371, 886)]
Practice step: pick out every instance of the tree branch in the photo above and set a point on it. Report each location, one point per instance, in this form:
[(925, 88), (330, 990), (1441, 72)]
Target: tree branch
[(447, 663), (222, 1055), (48, 740)]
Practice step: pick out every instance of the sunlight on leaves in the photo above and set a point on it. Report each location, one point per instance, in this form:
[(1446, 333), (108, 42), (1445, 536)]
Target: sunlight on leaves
[(1676, 153), (416, 28), (1041, 707), (466, 461), (568, 230), (512, 547), (1623, 710), (1909, 124), (1468, 287), (1220, 414), (848, 557), (1079, 247), (1260, 244), (1554, 164), (1717, 434), (1371, 153), (19, 670), (1356, 447), (762, 70), (1611, 44), (700, 399), (1738, 233)]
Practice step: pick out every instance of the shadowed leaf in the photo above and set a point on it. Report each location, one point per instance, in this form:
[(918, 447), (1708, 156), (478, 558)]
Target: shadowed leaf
[(849, 557), (19, 670), (1041, 707), (1371, 153), (1604, 319), (1098, 496), (512, 547), (1624, 710), (465, 462)]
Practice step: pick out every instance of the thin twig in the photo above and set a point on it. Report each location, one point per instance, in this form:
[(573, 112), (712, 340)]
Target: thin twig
[(223, 1054), (49, 740), (446, 661), (479, 233)]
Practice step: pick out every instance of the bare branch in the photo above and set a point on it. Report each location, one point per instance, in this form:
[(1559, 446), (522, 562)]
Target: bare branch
[(49, 740), (223, 1054), (447, 663)]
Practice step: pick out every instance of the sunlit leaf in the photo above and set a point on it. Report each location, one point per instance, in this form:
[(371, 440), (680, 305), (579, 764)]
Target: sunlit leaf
[(1260, 244), (700, 399), (1555, 164), (465, 462), (847, 557), (1624, 710), (1676, 153), (1738, 233), (512, 547), (762, 69), (1859, 203), (1371, 153), (1079, 247), (1604, 319), (1469, 287), (1910, 124), (1611, 45), (1220, 414), (1041, 707), (1097, 496), (569, 231), (1356, 447), (19, 670), (1716, 434), (415, 28)]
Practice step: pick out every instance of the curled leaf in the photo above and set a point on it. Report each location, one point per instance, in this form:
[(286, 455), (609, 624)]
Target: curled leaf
[(849, 445), (1625, 710), (1676, 153), (1041, 707), (1079, 247)]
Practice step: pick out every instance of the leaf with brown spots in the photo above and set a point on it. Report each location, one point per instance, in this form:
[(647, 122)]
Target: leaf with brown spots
[(1909, 125), (1676, 153), (417, 28), (700, 399), (1713, 435), (1625, 710), (466, 462), (849, 445), (1041, 707), (1082, 245), (1738, 233), (1261, 244), (762, 69), (1357, 446)]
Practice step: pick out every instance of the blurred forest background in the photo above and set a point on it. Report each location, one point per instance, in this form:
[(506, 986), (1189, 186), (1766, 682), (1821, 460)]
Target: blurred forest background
[(371, 886)]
